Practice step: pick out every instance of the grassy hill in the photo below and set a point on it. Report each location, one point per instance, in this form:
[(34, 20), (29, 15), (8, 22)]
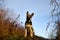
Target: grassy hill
[(34, 38)]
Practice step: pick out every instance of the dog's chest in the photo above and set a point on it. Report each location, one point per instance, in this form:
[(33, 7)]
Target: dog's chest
[(28, 24)]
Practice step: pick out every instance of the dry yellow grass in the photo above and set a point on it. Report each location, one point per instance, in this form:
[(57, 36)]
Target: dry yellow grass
[(8, 28)]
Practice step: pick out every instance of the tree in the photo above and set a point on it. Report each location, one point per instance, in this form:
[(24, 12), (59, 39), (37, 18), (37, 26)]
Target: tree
[(2, 3), (55, 13)]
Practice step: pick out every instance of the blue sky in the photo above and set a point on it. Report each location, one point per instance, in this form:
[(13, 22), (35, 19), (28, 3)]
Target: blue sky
[(41, 9)]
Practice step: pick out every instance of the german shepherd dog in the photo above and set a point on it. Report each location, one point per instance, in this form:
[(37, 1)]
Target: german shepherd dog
[(28, 25)]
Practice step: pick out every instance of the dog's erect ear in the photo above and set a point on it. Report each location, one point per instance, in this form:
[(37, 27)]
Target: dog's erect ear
[(32, 14), (27, 13)]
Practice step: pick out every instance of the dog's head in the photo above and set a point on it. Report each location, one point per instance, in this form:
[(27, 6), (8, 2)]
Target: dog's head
[(29, 16)]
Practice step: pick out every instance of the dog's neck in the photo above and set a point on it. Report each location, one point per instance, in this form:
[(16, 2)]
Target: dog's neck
[(28, 22)]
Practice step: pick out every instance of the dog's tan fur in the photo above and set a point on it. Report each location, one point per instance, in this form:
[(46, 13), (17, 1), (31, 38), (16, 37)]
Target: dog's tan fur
[(28, 25)]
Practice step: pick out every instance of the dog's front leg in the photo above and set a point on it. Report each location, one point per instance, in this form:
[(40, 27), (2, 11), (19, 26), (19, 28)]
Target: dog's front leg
[(25, 32), (31, 32)]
